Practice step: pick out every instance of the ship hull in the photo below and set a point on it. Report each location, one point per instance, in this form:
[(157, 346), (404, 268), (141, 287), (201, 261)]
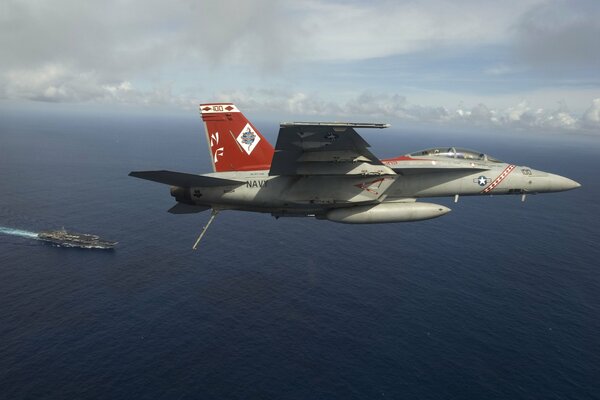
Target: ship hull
[(69, 239)]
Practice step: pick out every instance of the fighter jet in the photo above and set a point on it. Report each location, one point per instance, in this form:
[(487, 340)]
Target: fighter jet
[(325, 170)]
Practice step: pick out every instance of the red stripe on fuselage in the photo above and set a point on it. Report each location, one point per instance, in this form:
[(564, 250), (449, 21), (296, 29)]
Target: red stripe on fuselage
[(402, 158), (499, 179)]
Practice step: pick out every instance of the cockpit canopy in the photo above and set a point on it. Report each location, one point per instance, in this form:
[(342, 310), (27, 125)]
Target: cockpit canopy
[(454, 152)]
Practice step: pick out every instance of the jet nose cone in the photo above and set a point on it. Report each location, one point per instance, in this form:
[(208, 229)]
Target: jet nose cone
[(560, 183)]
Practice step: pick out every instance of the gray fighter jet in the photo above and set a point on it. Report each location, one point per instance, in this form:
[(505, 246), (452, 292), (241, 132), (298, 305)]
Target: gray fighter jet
[(326, 171)]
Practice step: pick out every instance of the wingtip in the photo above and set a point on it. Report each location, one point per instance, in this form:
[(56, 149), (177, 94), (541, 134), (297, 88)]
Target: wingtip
[(135, 174)]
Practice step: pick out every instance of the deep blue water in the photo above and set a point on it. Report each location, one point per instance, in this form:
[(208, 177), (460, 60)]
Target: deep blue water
[(497, 300)]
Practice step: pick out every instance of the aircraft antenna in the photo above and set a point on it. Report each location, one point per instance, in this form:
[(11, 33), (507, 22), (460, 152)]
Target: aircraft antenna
[(213, 214)]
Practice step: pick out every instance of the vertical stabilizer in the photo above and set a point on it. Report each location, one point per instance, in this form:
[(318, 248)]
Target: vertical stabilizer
[(234, 143)]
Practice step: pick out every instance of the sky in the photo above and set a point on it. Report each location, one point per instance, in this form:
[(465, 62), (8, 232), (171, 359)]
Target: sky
[(532, 64)]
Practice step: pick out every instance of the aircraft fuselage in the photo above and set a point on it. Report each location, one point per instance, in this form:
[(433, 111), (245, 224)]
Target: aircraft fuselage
[(312, 194), (326, 170)]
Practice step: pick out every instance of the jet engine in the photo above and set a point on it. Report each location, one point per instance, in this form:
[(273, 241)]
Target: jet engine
[(386, 212), (182, 195)]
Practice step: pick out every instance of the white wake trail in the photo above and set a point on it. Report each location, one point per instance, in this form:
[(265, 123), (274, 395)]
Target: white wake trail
[(18, 232)]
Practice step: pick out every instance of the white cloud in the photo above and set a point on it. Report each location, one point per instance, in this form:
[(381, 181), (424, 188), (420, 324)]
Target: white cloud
[(591, 118), (51, 82), (357, 30), (578, 98), (502, 69), (60, 83), (134, 52), (117, 37), (557, 34), (395, 107)]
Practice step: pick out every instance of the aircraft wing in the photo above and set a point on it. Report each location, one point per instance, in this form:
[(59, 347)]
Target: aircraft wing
[(183, 179), (323, 148)]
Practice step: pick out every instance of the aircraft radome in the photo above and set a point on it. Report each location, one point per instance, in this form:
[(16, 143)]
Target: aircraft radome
[(325, 170)]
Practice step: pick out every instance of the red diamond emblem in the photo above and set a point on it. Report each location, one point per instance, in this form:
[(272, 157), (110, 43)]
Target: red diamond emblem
[(229, 108), (207, 108), (372, 186)]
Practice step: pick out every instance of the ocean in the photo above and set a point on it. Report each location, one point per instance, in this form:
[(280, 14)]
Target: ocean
[(496, 300)]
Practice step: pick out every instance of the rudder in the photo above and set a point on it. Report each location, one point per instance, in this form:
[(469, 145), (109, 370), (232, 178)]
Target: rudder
[(234, 143)]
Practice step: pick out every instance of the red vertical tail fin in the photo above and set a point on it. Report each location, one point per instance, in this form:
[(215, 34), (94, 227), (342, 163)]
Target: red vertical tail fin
[(234, 143)]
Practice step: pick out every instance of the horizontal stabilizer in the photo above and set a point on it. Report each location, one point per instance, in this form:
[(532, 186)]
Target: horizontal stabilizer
[(182, 179), (181, 208)]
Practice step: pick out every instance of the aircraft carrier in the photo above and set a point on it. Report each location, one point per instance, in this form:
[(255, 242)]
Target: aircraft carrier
[(71, 239)]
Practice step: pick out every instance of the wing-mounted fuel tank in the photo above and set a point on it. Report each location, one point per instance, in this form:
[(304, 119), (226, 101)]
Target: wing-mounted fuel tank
[(387, 212)]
